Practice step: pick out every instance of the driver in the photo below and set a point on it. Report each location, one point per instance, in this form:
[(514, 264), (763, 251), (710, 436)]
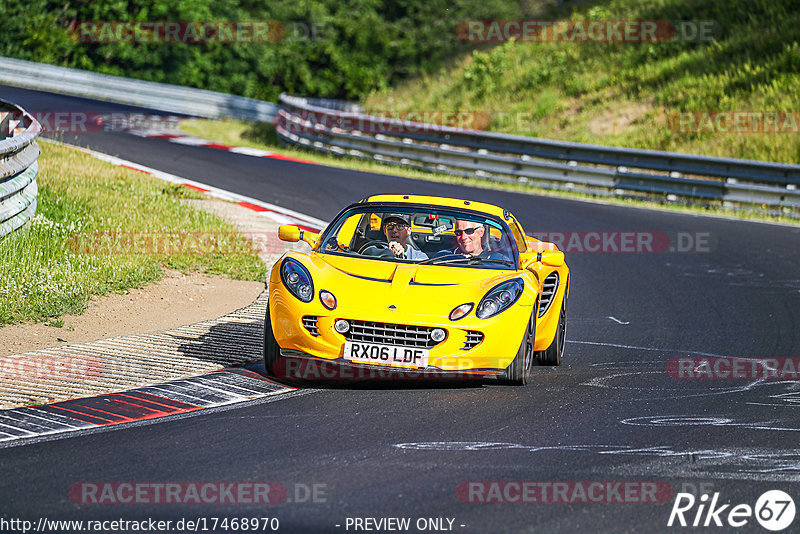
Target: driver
[(397, 229)]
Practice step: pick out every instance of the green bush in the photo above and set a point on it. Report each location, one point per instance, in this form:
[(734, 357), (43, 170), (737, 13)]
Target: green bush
[(331, 48), (621, 93)]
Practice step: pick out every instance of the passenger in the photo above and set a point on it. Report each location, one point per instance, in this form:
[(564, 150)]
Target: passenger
[(469, 237), (397, 228)]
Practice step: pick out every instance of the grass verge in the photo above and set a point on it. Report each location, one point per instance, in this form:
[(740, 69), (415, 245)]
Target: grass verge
[(263, 136), (99, 229)]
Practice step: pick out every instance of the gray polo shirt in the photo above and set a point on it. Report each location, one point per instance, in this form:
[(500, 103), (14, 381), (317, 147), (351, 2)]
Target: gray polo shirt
[(414, 253)]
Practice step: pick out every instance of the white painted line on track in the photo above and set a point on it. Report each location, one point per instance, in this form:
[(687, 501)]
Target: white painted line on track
[(278, 213)]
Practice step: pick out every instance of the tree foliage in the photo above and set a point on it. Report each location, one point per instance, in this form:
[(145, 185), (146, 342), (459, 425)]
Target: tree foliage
[(330, 48)]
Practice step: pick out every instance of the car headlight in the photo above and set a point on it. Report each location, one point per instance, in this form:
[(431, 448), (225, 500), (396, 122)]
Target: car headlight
[(499, 298), (297, 279)]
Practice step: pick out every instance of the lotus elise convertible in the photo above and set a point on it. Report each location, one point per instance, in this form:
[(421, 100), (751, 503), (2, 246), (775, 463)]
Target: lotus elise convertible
[(423, 285)]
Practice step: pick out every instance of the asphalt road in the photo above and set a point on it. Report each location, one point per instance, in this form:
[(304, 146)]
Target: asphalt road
[(610, 413)]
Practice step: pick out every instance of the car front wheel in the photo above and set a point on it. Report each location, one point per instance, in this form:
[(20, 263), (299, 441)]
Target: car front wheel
[(516, 374), (271, 349)]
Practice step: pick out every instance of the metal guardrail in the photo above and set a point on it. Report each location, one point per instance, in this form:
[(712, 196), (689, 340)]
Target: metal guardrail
[(160, 96), (339, 128), (542, 162), (18, 166)]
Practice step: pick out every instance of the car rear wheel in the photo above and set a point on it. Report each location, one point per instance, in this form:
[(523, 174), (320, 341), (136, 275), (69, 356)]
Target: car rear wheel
[(517, 373), (271, 349), (552, 354)]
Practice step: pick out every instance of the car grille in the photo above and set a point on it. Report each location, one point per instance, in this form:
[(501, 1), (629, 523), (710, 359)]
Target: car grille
[(548, 292), (473, 339), (310, 323), (391, 334)]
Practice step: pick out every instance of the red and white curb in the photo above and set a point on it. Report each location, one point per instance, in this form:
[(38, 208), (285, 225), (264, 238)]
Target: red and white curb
[(182, 139), (279, 214), (228, 386), (212, 390)]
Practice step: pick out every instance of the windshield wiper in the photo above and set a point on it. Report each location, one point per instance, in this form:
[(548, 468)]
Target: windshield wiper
[(455, 258), (444, 259)]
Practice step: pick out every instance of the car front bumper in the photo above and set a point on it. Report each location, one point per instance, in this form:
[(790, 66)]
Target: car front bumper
[(458, 354)]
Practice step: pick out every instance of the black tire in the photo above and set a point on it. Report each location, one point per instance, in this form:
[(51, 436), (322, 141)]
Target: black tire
[(552, 355), (271, 349), (517, 373)]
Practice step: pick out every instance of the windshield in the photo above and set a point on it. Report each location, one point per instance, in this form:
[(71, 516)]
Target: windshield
[(431, 236)]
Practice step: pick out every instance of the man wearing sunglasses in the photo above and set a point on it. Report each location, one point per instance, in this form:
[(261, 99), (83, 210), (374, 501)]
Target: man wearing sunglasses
[(469, 237), (397, 228)]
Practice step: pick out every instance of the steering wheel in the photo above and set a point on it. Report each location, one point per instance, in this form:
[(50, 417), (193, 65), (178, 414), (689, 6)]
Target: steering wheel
[(380, 245)]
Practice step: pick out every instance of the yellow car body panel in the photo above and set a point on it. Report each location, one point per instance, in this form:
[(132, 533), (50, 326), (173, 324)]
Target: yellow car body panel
[(412, 294)]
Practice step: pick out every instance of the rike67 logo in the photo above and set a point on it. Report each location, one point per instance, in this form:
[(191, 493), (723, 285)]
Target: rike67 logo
[(774, 510)]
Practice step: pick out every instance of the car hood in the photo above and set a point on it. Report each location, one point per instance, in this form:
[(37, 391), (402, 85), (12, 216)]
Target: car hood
[(364, 286)]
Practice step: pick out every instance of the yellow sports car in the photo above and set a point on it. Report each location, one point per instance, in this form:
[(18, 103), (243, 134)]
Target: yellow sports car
[(426, 286)]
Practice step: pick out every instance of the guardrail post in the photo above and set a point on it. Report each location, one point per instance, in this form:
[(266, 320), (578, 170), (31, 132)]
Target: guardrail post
[(5, 125)]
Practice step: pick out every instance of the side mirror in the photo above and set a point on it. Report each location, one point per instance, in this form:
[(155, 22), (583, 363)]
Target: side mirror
[(553, 258), (290, 233), (293, 234)]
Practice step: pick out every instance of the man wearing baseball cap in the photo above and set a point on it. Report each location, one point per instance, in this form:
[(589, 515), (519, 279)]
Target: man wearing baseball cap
[(397, 228)]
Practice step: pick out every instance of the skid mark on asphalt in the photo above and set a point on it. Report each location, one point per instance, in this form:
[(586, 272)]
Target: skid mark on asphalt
[(661, 450), (791, 397), (659, 368), (704, 420), (755, 463), (646, 376), (680, 391), (649, 349)]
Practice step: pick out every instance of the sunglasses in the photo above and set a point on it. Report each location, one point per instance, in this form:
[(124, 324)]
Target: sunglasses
[(396, 226), (468, 231)]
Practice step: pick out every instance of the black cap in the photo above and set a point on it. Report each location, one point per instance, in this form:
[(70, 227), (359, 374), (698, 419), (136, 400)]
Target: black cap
[(399, 216)]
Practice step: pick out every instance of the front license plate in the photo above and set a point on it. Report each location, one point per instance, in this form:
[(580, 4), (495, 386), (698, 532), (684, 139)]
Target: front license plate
[(385, 354)]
